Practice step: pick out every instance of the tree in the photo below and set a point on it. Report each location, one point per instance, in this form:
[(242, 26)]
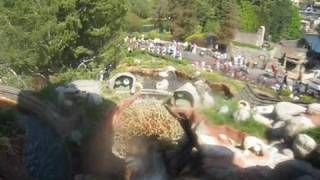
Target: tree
[(294, 29), (249, 21), (142, 8), (133, 22), (55, 33), (227, 11), (161, 13), (183, 20), (284, 19), (207, 15)]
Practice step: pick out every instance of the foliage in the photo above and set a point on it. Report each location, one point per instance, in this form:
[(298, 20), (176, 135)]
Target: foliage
[(37, 35), (198, 38), (249, 21), (251, 127), (308, 99), (142, 8), (161, 13), (228, 15), (133, 22), (314, 133), (183, 19), (284, 20), (166, 36), (294, 29)]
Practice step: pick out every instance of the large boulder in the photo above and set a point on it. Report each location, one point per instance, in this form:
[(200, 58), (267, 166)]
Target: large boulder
[(186, 94), (88, 88), (297, 124), (263, 120), (264, 109), (242, 115), (303, 145), (285, 110), (277, 131), (314, 109), (294, 170), (207, 100), (254, 144)]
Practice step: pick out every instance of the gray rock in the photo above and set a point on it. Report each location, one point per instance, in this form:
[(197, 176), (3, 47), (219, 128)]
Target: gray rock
[(162, 85), (187, 93), (242, 115), (201, 86), (263, 120), (296, 125), (224, 110), (253, 144), (288, 152), (314, 109), (285, 110), (264, 109), (87, 86), (294, 169), (303, 145), (207, 100)]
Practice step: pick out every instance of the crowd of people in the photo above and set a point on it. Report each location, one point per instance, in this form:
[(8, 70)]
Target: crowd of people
[(219, 61), (213, 59)]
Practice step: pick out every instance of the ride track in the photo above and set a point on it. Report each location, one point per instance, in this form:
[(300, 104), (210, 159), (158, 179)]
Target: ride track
[(255, 99)]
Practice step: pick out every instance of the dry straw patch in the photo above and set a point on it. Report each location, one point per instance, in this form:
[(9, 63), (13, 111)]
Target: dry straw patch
[(145, 118)]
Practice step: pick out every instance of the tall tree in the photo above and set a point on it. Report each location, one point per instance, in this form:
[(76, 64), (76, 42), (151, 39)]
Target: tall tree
[(161, 13), (249, 21), (55, 33), (281, 17), (183, 19), (142, 8), (227, 12), (294, 28)]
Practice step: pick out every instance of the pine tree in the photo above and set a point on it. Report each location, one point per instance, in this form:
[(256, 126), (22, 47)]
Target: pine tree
[(182, 18), (228, 15)]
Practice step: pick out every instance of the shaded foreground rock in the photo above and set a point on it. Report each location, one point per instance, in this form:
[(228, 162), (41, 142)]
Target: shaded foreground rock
[(303, 145)]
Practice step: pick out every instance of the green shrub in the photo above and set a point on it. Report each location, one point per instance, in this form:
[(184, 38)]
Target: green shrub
[(308, 99), (314, 133), (153, 35)]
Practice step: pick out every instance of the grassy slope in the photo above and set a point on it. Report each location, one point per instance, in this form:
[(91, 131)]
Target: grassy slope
[(250, 127)]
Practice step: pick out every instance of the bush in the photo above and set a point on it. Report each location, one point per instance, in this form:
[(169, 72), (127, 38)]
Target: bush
[(199, 38), (133, 22), (314, 133), (308, 99)]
